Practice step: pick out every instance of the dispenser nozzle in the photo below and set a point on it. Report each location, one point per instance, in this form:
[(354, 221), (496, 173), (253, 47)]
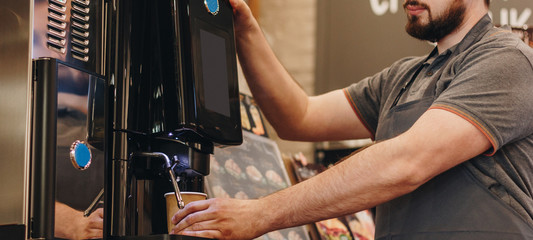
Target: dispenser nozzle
[(168, 167)]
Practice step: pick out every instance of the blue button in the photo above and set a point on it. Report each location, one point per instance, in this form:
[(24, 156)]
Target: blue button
[(212, 6), (80, 155)]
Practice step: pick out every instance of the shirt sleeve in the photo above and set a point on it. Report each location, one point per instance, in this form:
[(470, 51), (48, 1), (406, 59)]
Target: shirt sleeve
[(364, 97), (368, 96), (493, 90)]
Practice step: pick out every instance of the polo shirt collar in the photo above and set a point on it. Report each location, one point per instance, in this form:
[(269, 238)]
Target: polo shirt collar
[(473, 36)]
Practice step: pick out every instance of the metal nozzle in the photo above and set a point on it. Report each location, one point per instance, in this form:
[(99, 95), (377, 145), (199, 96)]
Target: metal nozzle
[(168, 167)]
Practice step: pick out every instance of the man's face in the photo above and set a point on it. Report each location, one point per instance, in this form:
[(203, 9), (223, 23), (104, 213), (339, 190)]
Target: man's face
[(432, 20)]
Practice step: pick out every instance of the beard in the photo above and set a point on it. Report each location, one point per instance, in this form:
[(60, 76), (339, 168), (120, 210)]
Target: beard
[(438, 27)]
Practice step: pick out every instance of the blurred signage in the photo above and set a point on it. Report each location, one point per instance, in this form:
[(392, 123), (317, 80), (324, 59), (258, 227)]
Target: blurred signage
[(516, 13)]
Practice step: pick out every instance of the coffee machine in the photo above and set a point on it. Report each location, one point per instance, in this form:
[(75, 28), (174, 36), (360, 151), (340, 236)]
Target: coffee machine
[(159, 93), (176, 97)]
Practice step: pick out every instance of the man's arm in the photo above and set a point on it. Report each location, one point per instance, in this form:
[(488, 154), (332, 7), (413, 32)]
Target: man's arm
[(438, 141), (293, 114)]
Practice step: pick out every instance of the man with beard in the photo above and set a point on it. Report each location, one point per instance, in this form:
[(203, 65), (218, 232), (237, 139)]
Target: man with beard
[(453, 157)]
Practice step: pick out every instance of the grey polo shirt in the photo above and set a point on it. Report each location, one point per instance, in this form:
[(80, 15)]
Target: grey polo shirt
[(489, 83)]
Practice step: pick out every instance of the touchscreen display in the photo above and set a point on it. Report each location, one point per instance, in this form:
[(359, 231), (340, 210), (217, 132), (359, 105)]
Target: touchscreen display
[(214, 72)]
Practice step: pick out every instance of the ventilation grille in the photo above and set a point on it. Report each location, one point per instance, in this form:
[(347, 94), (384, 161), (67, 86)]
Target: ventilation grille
[(59, 34), (80, 25), (57, 25)]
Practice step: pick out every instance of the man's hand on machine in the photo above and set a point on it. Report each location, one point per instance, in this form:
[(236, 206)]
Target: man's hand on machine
[(243, 18), (220, 219)]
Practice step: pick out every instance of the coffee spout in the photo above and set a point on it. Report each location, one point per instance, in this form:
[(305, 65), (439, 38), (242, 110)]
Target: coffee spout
[(168, 168)]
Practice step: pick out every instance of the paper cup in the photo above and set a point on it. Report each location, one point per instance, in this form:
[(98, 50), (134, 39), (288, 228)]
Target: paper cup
[(172, 204)]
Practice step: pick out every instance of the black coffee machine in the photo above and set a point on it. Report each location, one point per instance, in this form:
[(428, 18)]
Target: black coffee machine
[(172, 70), (160, 91)]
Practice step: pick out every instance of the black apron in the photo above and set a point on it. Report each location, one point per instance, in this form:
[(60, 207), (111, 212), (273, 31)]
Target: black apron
[(453, 205)]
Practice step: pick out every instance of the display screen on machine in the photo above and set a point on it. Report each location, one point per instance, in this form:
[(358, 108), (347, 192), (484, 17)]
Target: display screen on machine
[(215, 72)]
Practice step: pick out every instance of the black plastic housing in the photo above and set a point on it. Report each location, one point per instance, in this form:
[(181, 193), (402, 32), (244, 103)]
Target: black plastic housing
[(183, 74)]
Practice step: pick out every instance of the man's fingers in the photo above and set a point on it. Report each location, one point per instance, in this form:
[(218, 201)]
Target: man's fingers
[(196, 221), (235, 3), (189, 209)]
